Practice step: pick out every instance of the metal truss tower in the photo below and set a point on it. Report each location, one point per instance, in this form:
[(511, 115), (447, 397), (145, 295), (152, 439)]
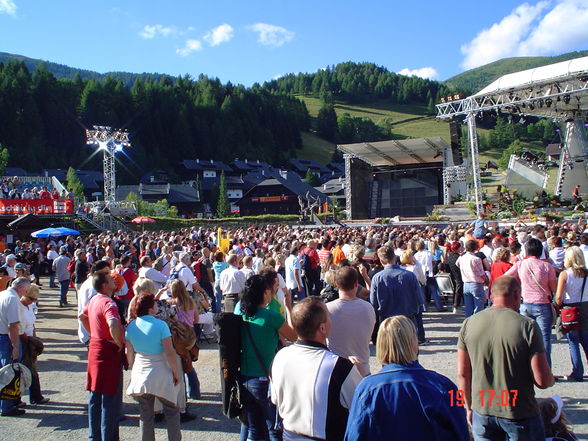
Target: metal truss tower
[(110, 141)]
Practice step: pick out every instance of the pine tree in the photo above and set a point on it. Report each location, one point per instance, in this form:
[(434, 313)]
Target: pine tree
[(222, 206), (327, 122), (4, 155), (74, 184)]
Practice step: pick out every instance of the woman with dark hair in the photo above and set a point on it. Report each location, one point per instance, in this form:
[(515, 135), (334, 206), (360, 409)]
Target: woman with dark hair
[(155, 372), (260, 334), (538, 283), (454, 251)]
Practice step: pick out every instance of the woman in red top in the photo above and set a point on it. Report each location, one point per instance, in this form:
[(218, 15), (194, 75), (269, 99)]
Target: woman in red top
[(501, 264)]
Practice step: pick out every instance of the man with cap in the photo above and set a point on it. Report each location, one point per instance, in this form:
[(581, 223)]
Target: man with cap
[(60, 266), (10, 346)]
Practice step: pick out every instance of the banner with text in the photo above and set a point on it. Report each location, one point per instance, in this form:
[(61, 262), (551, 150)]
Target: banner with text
[(36, 206)]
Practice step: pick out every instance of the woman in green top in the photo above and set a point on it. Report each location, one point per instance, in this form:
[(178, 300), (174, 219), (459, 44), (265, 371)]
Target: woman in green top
[(259, 341)]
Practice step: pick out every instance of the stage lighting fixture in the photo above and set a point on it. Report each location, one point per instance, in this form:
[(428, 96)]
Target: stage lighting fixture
[(541, 103), (442, 100), (566, 99)]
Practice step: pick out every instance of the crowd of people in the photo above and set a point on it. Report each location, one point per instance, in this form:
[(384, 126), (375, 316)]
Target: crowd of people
[(311, 302), (12, 188)]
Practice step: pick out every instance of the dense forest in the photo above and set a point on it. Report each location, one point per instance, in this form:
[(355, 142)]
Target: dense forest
[(357, 82), (170, 119)]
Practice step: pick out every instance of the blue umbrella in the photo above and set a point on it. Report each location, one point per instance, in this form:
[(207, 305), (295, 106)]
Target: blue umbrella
[(47, 232), (67, 231)]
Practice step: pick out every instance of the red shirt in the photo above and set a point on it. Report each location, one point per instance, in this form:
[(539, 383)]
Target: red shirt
[(498, 269), (130, 278), (99, 310)]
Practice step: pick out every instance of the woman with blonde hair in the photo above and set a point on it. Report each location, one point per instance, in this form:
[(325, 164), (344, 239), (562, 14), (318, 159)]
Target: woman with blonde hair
[(186, 312), (572, 290), (404, 391), (408, 263)]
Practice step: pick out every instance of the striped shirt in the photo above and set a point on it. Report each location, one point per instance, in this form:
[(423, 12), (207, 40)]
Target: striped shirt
[(313, 389), (323, 253), (472, 269)]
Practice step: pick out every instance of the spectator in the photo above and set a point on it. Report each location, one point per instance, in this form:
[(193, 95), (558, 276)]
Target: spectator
[(474, 278), (500, 352), (500, 266), (538, 283), (259, 341), (104, 381), (350, 309), (313, 405), (294, 274), (61, 268), (218, 266), (572, 291), (146, 270), (232, 283), (394, 291), (404, 401)]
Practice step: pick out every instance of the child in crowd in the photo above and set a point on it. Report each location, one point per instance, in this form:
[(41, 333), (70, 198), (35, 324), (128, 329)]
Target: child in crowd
[(557, 426)]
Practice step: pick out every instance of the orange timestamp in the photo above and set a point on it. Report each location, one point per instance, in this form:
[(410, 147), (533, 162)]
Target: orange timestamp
[(488, 397)]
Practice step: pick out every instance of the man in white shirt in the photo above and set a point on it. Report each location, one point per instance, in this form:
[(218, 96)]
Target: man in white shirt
[(584, 247), (51, 256), (312, 386), (293, 275), (10, 347), (9, 265), (186, 276), (158, 279), (232, 283), (349, 309), (248, 267)]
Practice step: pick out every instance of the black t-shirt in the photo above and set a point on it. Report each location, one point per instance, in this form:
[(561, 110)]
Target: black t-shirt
[(81, 271)]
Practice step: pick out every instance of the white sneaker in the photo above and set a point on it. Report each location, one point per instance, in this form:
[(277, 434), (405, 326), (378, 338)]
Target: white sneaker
[(455, 310)]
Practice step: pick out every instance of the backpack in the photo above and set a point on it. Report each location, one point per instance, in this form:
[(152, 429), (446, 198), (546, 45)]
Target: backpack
[(305, 263), (228, 328)]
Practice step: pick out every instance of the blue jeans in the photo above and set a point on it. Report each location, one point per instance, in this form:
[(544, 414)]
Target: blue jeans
[(218, 299), (542, 314), (104, 411), (298, 294), (193, 384), (490, 428), (260, 413), (6, 359), (63, 288), (474, 298), (433, 291), (575, 340), (418, 319)]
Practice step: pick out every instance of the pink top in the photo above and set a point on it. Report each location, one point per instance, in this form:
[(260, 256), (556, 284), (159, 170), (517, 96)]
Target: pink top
[(186, 317), (99, 310), (534, 291)]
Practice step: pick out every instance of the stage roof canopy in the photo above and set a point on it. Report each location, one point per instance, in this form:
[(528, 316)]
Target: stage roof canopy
[(398, 152), (538, 75)]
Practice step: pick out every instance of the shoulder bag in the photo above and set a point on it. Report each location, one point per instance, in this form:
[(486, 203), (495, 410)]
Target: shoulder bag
[(570, 315), (554, 311)]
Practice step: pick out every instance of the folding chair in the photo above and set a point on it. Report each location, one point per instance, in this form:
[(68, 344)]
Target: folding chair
[(445, 286)]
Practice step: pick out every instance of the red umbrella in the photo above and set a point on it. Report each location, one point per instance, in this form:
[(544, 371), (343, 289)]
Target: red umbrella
[(143, 220)]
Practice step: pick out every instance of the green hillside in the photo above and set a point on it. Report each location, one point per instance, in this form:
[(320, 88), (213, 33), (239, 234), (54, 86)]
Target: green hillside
[(63, 71), (476, 79)]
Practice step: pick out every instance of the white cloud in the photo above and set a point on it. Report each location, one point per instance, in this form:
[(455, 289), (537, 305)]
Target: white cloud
[(531, 30), (423, 72), (220, 34), (272, 35), (189, 47), (7, 7), (152, 31)]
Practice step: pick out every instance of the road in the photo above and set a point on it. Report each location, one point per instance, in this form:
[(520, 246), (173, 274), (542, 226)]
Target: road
[(63, 365)]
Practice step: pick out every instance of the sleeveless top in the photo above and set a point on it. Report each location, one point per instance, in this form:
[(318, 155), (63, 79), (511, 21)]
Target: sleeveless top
[(573, 287), (186, 317)]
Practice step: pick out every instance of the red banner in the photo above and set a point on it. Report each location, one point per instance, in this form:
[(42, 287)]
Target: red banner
[(36, 206)]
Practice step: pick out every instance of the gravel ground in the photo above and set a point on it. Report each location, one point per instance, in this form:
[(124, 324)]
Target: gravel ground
[(63, 365)]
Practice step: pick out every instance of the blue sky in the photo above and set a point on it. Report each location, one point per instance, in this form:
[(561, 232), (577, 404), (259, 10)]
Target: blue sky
[(251, 41)]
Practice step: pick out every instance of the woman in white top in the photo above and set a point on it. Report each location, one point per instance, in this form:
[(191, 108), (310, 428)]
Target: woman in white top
[(570, 293), (408, 262), (30, 343)]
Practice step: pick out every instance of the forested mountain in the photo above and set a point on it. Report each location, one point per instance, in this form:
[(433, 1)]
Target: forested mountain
[(63, 71), (170, 119), (359, 82), (476, 79)]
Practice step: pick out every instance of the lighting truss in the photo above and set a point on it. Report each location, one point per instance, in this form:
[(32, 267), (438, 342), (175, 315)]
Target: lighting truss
[(557, 99), (110, 141)]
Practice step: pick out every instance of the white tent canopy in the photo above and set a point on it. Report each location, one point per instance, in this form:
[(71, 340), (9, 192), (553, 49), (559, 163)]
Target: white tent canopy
[(543, 74)]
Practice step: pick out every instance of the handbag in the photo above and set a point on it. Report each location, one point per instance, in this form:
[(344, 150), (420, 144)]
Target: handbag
[(570, 315), (12, 390)]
